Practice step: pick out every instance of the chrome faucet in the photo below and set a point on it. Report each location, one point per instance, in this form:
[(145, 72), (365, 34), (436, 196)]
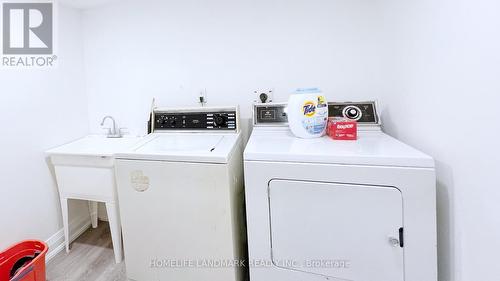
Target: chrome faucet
[(113, 132)]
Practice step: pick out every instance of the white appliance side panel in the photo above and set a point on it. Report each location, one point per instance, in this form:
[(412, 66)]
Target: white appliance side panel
[(175, 212), (336, 230), (237, 194)]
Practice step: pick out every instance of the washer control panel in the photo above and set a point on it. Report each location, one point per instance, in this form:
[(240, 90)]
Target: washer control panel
[(192, 120), (362, 112), (270, 114)]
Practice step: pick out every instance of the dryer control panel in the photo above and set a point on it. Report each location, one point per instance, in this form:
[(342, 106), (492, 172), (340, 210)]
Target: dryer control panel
[(201, 119), (365, 113), (274, 114), (270, 114)]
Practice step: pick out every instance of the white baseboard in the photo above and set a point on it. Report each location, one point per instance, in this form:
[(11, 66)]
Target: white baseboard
[(56, 243)]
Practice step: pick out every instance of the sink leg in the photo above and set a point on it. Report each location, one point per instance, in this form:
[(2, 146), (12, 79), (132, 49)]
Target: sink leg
[(115, 229), (93, 213), (64, 210)]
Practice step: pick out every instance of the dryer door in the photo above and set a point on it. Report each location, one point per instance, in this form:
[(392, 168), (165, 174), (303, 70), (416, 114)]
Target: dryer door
[(344, 231)]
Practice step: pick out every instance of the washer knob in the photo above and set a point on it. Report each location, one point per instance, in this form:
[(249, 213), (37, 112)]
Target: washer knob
[(220, 120)]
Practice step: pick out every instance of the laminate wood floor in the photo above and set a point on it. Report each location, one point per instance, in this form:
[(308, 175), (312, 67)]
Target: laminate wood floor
[(90, 258)]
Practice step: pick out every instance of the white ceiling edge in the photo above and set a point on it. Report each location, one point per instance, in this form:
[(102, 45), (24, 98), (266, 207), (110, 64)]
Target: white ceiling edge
[(85, 4)]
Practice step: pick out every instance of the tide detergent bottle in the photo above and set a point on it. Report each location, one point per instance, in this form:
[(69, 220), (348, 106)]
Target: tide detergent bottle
[(307, 113)]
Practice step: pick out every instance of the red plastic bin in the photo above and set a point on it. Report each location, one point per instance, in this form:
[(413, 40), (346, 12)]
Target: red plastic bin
[(20, 254)]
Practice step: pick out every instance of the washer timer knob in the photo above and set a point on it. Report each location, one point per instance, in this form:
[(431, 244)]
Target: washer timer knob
[(220, 120)]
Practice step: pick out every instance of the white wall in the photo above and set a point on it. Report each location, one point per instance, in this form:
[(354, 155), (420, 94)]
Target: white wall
[(39, 109), (444, 97), (136, 50), (423, 59)]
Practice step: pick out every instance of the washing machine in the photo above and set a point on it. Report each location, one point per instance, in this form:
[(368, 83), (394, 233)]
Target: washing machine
[(322, 209), (181, 197)]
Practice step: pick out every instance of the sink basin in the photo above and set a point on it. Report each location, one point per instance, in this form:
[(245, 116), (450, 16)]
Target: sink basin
[(94, 145)]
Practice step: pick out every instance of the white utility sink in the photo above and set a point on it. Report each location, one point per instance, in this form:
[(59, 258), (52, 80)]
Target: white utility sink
[(95, 145), (84, 170)]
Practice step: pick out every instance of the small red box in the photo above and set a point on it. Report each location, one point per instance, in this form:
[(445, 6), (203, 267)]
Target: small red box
[(342, 129)]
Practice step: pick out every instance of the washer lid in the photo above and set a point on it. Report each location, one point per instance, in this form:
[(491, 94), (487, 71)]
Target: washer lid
[(184, 147), (371, 148)]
